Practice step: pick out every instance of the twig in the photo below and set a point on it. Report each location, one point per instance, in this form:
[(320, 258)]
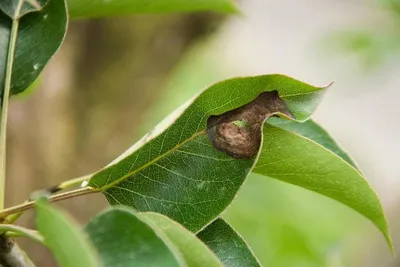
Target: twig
[(11, 255), (47, 192), (30, 204)]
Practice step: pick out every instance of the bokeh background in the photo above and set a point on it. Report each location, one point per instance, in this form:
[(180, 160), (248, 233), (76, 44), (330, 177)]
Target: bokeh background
[(115, 78)]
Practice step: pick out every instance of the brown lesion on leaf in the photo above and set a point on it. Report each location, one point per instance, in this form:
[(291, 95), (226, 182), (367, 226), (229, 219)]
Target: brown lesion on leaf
[(238, 132)]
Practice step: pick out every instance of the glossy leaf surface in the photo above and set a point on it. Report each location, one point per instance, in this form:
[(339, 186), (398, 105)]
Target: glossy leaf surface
[(122, 239), (194, 252), (226, 243), (295, 159), (311, 130)]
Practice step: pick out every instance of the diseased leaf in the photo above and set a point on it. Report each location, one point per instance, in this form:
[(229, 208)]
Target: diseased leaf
[(311, 130), (39, 36), (226, 243), (97, 8), (123, 239), (10, 7), (176, 171), (295, 159), (64, 238), (194, 252)]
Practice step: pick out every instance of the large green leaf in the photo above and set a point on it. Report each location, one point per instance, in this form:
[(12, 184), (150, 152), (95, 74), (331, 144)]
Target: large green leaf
[(194, 252), (176, 171), (123, 239), (39, 35), (97, 8), (230, 248), (311, 130), (64, 238), (300, 161)]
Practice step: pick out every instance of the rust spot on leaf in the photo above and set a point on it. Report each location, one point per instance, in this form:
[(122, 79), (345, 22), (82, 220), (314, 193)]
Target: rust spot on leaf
[(238, 132)]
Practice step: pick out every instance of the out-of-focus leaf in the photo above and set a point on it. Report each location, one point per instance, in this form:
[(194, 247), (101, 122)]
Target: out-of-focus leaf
[(311, 130), (194, 252), (123, 239), (39, 36), (176, 171), (68, 243), (226, 243), (97, 8), (292, 158), (10, 7), (21, 231)]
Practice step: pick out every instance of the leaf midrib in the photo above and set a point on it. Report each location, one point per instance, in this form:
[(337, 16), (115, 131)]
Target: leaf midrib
[(109, 185)]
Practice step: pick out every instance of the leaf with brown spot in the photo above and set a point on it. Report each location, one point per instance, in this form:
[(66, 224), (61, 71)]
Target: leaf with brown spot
[(242, 140), (192, 165), (176, 170)]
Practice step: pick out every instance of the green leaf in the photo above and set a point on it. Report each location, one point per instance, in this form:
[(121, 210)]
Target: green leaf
[(97, 8), (195, 253), (226, 243), (295, 159), (21, 231), (39, 36), (11, 7), (311, 130), (64, 238), (123, 239), (176, 171)]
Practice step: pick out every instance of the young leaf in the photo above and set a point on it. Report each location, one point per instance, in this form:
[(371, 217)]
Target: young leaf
[(97, 8), (226, 243), (122, 239), (21, 231), (311, 130), (64, 238), (295, 159), (39, 35), (178, 172), (195, 253)]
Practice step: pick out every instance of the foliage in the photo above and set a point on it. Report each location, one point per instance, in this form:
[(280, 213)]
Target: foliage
[(168, 191)]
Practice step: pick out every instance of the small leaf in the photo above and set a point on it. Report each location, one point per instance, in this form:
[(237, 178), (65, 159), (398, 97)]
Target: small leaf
[(35, 236), (64, 238), (97, 8), (176, 170), (292, 158), (226, 243), (195, 253), (40, 34), (311, 130), (122, 239)]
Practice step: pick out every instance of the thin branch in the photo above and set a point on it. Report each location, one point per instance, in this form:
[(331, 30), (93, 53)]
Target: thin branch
[(48, 192), (30, 204), (11, 255)]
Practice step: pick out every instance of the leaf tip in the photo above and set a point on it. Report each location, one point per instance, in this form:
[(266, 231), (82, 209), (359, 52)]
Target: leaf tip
[(329, 85)]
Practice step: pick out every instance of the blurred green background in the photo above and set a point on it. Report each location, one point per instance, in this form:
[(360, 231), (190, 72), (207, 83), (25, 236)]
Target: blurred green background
[(115, 78)]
